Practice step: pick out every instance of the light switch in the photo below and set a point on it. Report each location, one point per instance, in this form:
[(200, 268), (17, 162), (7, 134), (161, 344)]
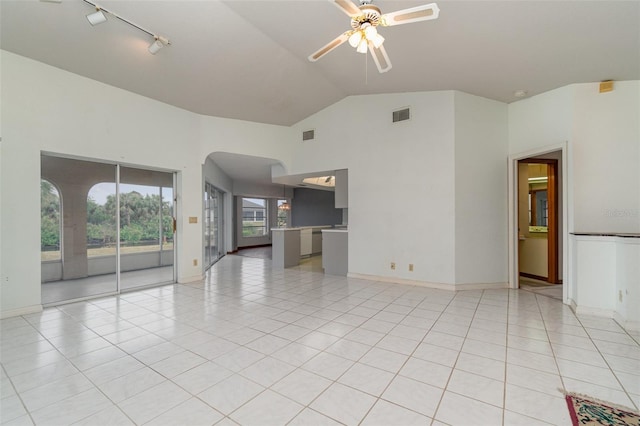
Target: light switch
[(193, 219)]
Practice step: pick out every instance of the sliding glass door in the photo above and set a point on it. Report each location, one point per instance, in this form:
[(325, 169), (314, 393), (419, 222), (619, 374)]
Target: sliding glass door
[(104, 228), (146, 227), (213, 224)]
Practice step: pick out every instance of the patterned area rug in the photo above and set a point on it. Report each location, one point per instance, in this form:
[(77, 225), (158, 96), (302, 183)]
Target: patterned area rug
[(587, 411)]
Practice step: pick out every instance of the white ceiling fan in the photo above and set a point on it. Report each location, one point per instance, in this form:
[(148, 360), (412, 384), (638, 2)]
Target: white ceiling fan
[(364, 34)]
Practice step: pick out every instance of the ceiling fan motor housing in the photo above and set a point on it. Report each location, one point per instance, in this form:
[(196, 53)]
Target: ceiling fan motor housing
[(370, 14)]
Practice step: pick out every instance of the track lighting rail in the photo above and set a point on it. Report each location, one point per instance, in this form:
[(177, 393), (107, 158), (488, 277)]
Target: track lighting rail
[(159, 41)]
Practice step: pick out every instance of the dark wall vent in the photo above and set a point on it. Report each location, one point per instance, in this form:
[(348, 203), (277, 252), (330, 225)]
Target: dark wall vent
[(307, 135), (401, 115)]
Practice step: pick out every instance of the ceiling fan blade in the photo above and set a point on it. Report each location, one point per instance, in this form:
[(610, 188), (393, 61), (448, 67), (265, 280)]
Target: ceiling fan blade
[(413, 14), (348, 7), (380, 57), (329, 46)]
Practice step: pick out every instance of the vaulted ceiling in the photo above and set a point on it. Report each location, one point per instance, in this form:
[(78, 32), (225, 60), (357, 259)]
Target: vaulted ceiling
[(247, 59)]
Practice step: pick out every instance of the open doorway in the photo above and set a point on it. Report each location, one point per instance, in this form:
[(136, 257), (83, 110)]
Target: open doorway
[(539, 225)]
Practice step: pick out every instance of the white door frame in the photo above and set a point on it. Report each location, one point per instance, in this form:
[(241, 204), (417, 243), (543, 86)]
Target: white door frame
[(567, 174)]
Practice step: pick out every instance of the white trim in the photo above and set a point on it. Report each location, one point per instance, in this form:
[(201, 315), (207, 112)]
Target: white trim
[(80, 299), (33, 309), (567, 214), (440, 286), (184, 280), (596, 312), (627, 325)]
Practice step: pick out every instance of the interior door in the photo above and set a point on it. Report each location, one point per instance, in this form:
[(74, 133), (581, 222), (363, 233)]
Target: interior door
[(538, 219)]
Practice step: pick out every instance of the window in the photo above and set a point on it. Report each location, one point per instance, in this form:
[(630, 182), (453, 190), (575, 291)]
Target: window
[(49, 221), (283, 214), (254, 217), (101, 220)]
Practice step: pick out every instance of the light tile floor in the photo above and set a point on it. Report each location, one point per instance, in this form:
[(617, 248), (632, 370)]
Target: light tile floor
[(254, 346)]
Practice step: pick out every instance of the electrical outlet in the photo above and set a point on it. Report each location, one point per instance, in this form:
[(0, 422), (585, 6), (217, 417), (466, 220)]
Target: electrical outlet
[(411, 267), (393, 265), (195, 262)]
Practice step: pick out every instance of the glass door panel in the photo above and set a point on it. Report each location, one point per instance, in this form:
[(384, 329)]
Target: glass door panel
[(213, 220), (213, 228), (146, 228), (207, 225), (220, 225), (78, 229)]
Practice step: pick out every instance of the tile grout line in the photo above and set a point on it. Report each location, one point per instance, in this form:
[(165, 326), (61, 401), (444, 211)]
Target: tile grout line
[(17, 394), (444, 390), (624, 389)]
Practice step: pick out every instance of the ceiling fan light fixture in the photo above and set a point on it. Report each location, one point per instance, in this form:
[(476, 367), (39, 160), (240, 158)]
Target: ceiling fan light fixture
[(362, 46), (365, 19), (377, 41), (370, 31), (355, 38), (96, 17)]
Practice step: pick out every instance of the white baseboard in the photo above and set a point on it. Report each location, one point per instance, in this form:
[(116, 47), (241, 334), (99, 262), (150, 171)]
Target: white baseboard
[(21, 311), (596, 312), (606, 313), (481, 286), (439, 286), (184, 280), (626, 324)]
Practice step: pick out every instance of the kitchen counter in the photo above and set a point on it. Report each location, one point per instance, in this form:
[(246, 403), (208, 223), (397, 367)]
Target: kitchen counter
[(335, 251), (285, 247)]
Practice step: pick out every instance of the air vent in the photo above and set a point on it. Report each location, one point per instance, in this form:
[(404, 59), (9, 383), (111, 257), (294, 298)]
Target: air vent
[(307, 135), (401, 115)]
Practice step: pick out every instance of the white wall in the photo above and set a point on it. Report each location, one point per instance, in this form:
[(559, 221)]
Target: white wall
[(606, 150), (245, 137), (480, 190), (430, 191), (541, 120), (534, 257), (401, 181), (216, 177), (602, 131), (596, 274), (627, 293), (48, 109)]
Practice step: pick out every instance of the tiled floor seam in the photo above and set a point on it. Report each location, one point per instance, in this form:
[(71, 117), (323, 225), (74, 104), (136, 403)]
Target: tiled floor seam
[(444, 390), (96, 386), (17, 395), (546, 330), (624, 389)]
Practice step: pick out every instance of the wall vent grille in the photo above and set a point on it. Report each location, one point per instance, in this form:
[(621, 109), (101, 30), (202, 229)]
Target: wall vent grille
[(307, 135), (401, 115)]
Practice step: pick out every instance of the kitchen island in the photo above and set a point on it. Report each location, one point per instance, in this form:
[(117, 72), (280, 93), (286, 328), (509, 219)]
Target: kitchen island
[(290, 244), (335, 251)]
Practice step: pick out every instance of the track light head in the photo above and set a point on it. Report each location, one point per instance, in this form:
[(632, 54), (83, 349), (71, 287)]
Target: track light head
[(155, 46), (96, 17)]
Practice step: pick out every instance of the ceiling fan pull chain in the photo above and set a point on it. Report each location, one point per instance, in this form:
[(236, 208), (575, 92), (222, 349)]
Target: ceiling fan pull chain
[(366, 70)]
